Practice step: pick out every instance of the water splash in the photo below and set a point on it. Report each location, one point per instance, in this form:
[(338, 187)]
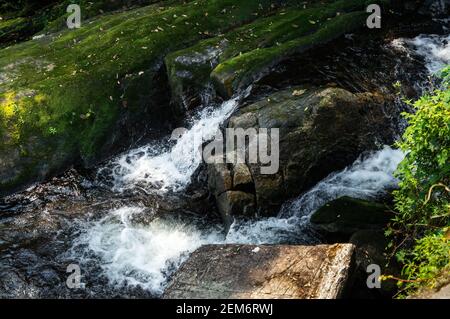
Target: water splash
[(145, 255), (133, 254), (435, 49), (368, 178), (156, 167)]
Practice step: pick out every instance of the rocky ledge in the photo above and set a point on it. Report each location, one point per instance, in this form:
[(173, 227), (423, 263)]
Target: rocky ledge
[(264, 272)]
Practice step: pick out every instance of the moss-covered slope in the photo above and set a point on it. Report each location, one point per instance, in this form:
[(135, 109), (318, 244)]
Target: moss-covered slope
[(234, 60), (76, 94)]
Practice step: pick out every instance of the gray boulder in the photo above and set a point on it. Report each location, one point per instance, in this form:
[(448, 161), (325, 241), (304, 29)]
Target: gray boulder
[(260, 272), (321, 130)]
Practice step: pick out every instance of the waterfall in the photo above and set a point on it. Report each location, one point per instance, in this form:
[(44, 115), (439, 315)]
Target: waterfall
[(434, 49), (156, 167), (145, 255)]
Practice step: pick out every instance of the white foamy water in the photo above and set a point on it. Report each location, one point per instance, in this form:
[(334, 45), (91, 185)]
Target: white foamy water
[(145, 255), (162, 169), (141, 255), (367, 178), (435, 49)]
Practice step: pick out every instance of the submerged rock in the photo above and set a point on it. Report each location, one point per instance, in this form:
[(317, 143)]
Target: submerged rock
[(253, 272), (345, 216)]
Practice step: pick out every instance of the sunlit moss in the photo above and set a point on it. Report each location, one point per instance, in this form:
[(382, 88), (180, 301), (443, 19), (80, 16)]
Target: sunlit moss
[(8, 105)]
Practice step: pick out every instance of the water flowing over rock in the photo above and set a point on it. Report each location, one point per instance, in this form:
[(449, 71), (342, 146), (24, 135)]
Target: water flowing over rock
[(321, 130), (253, 272), (127, 78)]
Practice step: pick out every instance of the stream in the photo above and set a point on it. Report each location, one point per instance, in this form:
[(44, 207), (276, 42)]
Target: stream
[(130, 224)]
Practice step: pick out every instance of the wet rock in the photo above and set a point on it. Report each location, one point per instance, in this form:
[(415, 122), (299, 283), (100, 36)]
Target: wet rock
[(434, 8), (234, 203), (345, 216), (238, 72), (242, 178), (370, 249), (427, 8), (287, 272), (188, 72), (321, 130), (13, 286), (219, 178), (227, 63)]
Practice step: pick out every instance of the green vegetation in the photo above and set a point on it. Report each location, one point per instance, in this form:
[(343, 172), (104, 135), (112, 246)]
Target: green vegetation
[(422, 226), (242, 55), (22, 19), (62, 95)]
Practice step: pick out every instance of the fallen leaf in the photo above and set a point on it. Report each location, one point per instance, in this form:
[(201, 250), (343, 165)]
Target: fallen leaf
[(298, 92)]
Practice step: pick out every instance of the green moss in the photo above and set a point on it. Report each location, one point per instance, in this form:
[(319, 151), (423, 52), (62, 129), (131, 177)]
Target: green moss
[(240, 71), (242, 54), (31, 17), (72, 85)]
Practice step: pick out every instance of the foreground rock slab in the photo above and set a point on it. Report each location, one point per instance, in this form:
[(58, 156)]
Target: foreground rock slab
[(259, 272)]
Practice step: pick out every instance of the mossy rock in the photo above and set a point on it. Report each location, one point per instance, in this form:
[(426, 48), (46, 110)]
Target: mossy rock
[(345, 216), (237, 58), (77, 96), (23, 19), (72, 97), (293, 33)]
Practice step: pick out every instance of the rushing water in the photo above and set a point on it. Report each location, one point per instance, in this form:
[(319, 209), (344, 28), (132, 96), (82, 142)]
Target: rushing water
[(129, 241), (154, 166), (434, 49), (145, 254)]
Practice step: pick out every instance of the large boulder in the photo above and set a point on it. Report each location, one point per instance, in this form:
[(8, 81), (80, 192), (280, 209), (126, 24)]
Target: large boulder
[(345, 216), (260, 272), (230, 62), (321, 130)]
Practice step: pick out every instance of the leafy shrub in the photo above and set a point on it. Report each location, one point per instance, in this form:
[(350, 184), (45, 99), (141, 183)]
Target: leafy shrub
[(420, 227)]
